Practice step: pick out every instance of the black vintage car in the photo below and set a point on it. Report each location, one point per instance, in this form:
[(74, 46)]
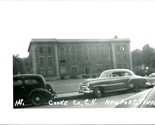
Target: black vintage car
[(31, 88), (113, 80)]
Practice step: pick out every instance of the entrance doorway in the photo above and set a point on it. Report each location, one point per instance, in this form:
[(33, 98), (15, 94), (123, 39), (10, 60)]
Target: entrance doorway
[(86, 69)]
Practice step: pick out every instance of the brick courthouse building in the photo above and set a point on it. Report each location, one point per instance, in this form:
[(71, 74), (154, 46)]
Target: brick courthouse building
[(54, 58)]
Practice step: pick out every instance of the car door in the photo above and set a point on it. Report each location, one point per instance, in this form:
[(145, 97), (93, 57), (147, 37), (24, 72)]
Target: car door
[(116, 82), (18, 89)]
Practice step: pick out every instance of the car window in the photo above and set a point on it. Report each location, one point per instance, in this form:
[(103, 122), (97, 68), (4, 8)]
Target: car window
[(116, 74), (126, 74), (17, 82), (31, 81), (104, 75)]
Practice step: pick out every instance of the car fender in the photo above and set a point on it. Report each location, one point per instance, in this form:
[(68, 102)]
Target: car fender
[(137, 82), (46, 93), (99, 86)]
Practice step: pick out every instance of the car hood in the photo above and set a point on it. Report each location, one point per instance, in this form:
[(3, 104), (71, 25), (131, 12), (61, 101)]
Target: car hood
[(134, 101), (93, 80)]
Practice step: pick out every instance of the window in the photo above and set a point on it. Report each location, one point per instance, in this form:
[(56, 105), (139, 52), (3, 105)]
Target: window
[(49, 60), (85, 53), (62, 54), (116, 74), (73, 54), (107, 52), (17, 82), (41, 50), (98, 53), (119, 66), (41, 61), (119, 56), (35, 81), (99, 68), (31, 81), (63, 70), (86, 69), (49, 50), (42, 72), (123, 48), (126, 74), (107, 67), (50, 71), (125, 65), (118, 47), (74, 70), (125, 56)]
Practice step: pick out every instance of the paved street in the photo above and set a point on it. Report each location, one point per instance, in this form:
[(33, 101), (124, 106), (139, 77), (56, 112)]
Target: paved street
[(68, 96), (81, 101)]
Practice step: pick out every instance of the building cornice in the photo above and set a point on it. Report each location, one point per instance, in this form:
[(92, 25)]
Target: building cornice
[(43, 40)]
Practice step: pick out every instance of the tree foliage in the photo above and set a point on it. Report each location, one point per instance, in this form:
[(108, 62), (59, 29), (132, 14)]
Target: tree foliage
[(21, 65), (148, 54), (144, 58), (137, 57)]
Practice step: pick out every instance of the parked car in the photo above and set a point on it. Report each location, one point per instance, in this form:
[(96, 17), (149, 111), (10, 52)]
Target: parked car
[(151, 80), (31, 88), (113, 80), (144, 99)]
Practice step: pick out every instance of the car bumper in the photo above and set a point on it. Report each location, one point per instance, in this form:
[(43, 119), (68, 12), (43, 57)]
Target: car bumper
[(148, 84), (85, 90)]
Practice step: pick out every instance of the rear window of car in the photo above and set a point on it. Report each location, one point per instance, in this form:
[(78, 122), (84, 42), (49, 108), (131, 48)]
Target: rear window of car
[(126, 74), (17, 82)]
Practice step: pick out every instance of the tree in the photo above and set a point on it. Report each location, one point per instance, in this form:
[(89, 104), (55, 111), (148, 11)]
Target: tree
[(17, 65), (148, 55), (137, 58), (21, 65)]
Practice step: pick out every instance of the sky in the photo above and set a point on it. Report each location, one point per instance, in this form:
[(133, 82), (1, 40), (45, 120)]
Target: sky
[(22, 21)]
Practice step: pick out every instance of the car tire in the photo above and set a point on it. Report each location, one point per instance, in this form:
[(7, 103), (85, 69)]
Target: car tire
[(136, 89), (37, 99), (98, 92)]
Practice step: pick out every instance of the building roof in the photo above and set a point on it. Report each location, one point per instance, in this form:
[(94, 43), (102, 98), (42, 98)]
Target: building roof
[(42, 40)]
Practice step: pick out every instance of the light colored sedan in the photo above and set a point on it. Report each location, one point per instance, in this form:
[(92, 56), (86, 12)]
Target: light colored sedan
[(113, 80), (151, 80)]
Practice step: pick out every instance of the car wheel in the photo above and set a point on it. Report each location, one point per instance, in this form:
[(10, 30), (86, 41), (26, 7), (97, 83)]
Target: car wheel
[(136, 89), (37, 99), (98, 92)]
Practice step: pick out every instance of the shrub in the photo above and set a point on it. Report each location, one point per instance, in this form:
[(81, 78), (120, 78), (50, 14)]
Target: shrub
[(150, 70), (85, 76), (140, 72)]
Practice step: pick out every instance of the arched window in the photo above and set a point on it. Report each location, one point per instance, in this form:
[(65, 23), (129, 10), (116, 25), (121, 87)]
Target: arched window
[(62, 54), (85, 53), (73, 54), (98, 53)]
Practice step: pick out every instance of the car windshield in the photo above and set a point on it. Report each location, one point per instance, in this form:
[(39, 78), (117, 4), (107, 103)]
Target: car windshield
[(104, 75)]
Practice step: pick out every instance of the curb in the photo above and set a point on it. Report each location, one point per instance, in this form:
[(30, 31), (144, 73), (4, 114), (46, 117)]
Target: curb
[(68, 95)]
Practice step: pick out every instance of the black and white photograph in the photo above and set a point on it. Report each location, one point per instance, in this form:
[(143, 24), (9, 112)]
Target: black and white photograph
[(79, 60)]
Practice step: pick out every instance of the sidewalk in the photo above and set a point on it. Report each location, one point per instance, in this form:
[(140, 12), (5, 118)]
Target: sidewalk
[(66, 95), (66, 86)]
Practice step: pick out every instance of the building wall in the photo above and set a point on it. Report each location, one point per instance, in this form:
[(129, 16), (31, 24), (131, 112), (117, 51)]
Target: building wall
[(63, 58)]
